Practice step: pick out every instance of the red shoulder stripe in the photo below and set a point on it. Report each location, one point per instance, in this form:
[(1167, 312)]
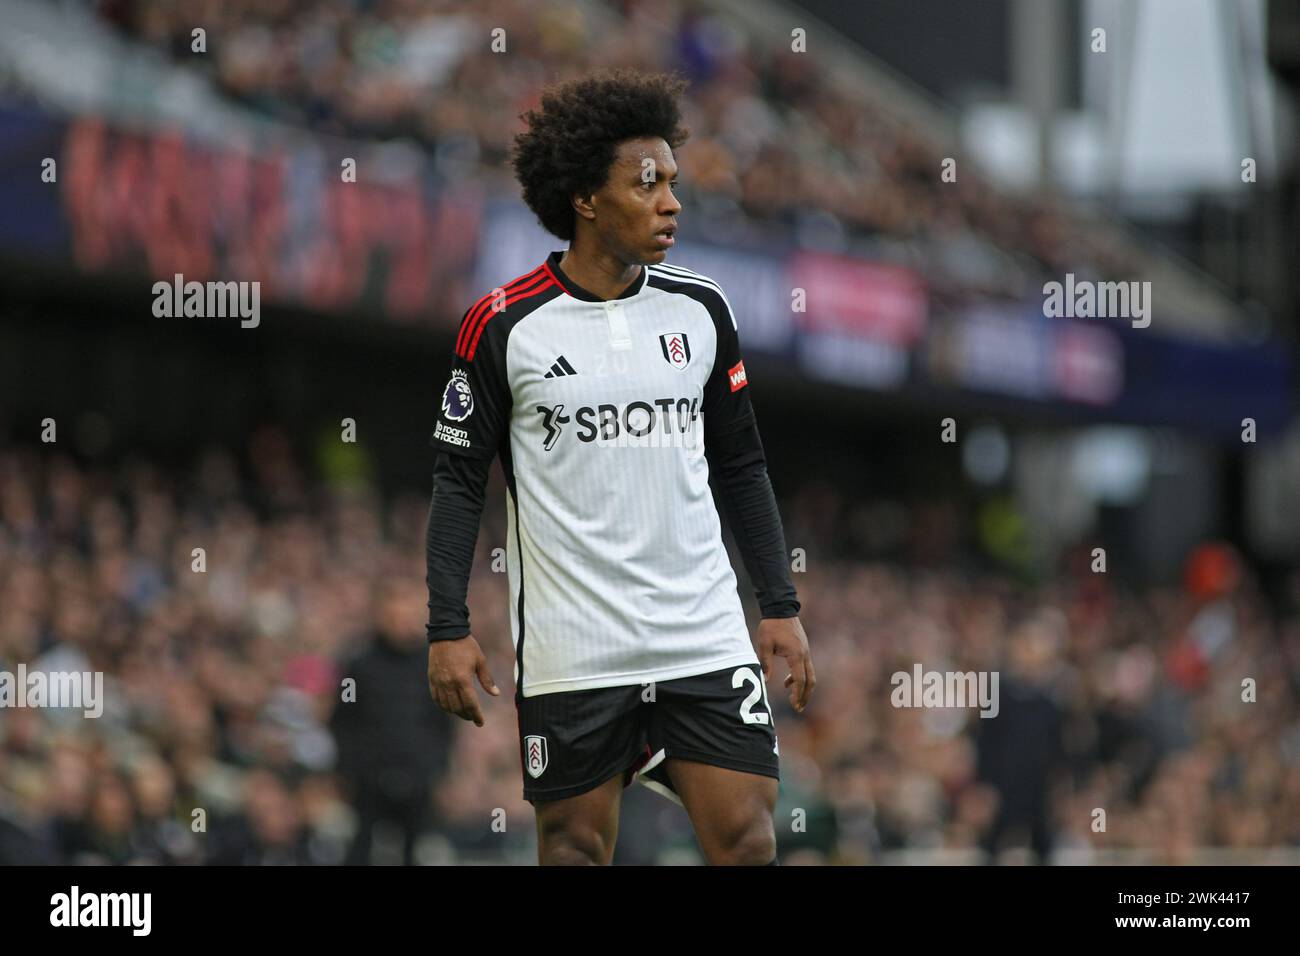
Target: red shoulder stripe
[(485, 311), (476, 310), (488, 308), (522, 294)]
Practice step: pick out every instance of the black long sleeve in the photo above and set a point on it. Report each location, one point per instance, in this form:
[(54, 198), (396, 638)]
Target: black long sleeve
[(459, 483), (738, 470)]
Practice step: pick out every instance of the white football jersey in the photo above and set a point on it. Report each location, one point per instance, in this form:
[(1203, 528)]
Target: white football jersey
[(616, 567)]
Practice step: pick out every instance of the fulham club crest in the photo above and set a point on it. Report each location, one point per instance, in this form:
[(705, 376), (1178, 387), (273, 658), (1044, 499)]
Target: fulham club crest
[(534, 755), (677, 350)]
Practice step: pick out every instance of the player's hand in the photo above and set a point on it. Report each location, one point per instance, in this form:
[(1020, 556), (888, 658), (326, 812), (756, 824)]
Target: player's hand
[(453, 665), (784, 637)]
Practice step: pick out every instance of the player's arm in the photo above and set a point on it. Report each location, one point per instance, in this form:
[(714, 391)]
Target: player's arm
[(459, 483), (472, 421), (738, 472)]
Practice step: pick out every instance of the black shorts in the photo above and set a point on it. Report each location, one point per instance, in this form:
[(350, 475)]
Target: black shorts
[(573, 741)]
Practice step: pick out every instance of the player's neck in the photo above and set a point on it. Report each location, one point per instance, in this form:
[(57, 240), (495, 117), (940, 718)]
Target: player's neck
[(599, 273)]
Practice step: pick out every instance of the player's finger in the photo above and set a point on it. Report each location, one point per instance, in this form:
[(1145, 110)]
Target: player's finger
[(452, 698), (485, 677), (444, 702), (469, 703), (805, 691), (811, 677), (800, 682), (453, 701)]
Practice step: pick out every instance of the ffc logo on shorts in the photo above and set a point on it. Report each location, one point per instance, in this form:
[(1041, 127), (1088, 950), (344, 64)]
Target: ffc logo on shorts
[(534, 755)]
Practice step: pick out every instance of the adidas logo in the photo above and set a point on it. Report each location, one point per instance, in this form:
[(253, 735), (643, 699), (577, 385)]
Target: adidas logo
[(560, 368)]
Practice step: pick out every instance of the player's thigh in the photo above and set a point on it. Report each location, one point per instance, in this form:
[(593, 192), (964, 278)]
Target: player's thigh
[(720, 746), (583, 828), (730, 810)]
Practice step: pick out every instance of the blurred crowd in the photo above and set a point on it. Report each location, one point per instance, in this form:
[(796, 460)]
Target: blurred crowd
[(778, 137), (262, 636)]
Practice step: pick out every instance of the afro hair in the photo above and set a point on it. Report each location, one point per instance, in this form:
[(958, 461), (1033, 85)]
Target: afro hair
[(571, 144)]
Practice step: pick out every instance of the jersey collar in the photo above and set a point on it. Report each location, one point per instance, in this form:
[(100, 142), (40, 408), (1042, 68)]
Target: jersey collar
[(578, 292)]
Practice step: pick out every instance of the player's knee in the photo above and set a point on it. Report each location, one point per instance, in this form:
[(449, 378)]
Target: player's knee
[(748, 841), (564, 844)]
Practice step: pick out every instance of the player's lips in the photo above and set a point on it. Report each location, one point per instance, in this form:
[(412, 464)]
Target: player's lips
[(665, 237)]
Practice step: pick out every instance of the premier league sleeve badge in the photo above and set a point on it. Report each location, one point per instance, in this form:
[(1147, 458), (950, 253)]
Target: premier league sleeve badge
[(457, 399)]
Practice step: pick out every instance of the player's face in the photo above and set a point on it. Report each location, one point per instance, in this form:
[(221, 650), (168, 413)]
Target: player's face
[(636, 211)]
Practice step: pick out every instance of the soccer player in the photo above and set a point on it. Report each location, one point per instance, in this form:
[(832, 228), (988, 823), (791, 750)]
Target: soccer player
[(612, 387)]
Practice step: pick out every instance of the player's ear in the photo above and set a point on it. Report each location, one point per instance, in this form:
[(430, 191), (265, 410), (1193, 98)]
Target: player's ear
[(583, 205)]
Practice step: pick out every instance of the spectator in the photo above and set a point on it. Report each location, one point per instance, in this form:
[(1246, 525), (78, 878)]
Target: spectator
[(394, 740)]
